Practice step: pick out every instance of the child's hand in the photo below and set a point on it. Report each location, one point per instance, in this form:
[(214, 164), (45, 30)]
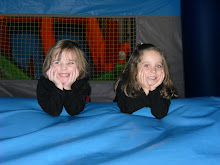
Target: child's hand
[(73, 76), (52, 76), (142, 81), (160, 80)]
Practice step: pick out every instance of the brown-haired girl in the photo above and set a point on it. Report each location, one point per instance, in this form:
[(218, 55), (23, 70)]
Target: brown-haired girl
[(145, 82)]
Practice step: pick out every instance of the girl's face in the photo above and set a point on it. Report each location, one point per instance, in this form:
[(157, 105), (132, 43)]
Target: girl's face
[(152, 65), (65, 65)]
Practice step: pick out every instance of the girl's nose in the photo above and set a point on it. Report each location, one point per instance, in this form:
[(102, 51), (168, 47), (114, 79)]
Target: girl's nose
[(63, 67), (153, 69)]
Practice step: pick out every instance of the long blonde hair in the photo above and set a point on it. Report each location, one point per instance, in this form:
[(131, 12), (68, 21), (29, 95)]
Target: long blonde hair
[(130, 85), (66, 45)]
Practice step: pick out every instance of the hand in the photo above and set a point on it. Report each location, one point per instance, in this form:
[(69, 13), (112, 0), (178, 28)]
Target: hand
[(160, 80), (73, 76), (142, 81), (52, 76)]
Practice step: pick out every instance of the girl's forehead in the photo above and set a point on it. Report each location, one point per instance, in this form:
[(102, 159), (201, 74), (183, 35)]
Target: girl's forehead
[(66, 54), (151, 55)]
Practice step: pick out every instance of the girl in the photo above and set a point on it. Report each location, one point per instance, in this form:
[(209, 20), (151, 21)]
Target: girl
[(145, 82), (63, 82)]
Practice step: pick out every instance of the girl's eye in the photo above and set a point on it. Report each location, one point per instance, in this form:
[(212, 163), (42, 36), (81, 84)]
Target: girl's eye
[(56, 62), (159, 66), (71, 63), (146, 65)]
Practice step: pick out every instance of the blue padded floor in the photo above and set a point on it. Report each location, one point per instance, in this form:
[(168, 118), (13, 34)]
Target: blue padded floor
[(101, 134)]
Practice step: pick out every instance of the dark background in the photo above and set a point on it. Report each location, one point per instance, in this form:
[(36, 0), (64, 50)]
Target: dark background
[(201, 44)]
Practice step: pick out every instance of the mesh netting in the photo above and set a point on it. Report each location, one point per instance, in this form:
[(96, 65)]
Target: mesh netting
[(107, 43)]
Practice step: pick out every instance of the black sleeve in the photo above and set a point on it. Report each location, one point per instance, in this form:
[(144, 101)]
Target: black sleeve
[(75, 98), (129, 104), (50, 98), (159, 105)]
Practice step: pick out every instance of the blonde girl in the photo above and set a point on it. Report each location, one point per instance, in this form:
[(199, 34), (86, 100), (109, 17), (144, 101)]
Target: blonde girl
[(64, 82)]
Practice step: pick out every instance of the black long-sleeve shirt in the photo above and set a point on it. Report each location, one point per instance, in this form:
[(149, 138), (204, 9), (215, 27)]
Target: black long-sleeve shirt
[(52, 99), (159, 105)]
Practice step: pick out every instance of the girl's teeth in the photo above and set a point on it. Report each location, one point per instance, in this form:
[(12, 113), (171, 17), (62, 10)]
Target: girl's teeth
[(153, 78), (63, 75)]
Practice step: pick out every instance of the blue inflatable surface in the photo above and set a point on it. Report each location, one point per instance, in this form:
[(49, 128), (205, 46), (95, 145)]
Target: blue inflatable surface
[(94, 7), (101, 134)]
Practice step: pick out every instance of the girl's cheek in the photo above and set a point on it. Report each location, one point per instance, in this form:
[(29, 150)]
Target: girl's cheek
[(76, 68), (140, 69), (145, 70), (73, 69), (55, 68), (162, 72)]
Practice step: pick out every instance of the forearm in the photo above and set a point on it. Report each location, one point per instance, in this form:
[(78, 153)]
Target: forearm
[(50, 98), (129, 104), (76, 97), (75, 109), (51, 103), (159, 105), (74, 104)]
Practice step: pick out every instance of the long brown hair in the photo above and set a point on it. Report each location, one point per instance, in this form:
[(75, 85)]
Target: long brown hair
[(66, 45), (130, 85)]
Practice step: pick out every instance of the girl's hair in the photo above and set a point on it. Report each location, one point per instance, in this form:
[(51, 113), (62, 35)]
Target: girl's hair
[(66, 45), (130, 85)]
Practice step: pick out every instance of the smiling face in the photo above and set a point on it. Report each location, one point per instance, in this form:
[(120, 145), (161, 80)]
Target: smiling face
[(151, 62), (64, 65)]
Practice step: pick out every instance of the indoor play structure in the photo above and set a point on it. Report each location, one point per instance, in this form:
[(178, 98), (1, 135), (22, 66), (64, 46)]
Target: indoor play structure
[(101, 134)]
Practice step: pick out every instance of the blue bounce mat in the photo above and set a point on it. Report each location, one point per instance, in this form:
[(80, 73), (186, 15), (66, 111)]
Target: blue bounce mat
[(101, 134)]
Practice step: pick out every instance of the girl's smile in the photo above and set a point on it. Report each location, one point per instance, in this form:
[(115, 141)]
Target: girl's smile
[(64, 74)]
